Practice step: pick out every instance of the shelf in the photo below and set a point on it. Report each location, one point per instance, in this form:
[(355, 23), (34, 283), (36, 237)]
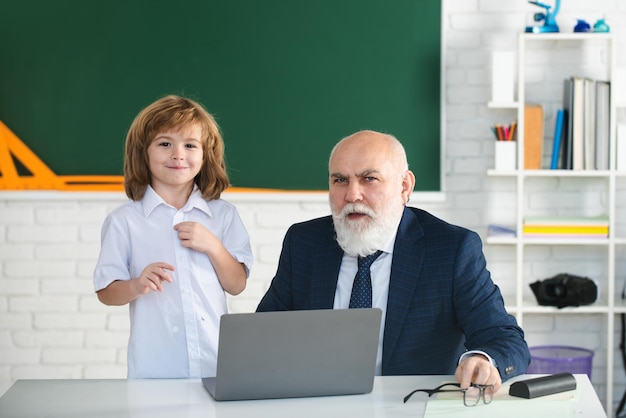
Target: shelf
[(501, 240), (565, 241), (551, 241), (500, 173), (620, 305), (530, 306), (601, 186), (553, 173), (580, 310), (503, 105), (572, 36)]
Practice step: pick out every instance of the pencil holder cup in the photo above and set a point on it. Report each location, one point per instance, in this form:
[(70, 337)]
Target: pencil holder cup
[(506, 155)]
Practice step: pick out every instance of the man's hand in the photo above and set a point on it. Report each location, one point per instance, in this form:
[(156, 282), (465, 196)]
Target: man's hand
[(479, 370)]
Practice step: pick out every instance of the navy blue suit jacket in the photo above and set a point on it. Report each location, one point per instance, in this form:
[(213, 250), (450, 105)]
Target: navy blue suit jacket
[(441, 302)]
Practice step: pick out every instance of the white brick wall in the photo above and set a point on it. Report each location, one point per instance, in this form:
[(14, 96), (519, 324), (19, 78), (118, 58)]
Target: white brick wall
[(52, 325)]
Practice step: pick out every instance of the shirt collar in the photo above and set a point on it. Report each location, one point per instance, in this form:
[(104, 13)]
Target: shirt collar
[(388, 247), (151, 200)]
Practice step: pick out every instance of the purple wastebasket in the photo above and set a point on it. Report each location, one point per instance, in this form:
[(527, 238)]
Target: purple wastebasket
[(551, 359)]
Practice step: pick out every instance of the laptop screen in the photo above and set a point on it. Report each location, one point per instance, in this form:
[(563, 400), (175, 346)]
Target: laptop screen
[(296, 353)]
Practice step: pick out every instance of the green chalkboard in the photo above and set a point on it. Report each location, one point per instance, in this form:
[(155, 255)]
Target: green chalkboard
[(285, 79)]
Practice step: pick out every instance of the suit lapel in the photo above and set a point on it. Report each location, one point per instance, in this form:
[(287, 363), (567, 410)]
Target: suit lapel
[(325, 273), (405, 267)]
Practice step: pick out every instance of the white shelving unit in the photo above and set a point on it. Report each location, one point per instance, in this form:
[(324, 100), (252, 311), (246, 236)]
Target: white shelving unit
[(524, 304)]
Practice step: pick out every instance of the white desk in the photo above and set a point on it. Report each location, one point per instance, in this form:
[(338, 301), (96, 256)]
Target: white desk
[(188, 398)]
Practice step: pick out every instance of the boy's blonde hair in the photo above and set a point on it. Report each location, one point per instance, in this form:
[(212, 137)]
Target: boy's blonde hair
[(173, 113)]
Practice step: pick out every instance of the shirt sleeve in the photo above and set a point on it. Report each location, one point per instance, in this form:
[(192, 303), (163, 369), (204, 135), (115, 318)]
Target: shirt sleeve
[(472, 352), (113, 261), (237, 241)]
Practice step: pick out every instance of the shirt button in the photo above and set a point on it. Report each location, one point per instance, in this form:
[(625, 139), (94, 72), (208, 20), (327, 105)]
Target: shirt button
[(175, 329)]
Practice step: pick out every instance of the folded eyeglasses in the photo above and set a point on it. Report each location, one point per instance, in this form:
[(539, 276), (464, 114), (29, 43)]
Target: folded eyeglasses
[(471, 395)]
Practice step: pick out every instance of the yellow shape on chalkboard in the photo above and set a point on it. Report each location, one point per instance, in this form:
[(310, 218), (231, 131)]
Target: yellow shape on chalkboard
[(41, 176)]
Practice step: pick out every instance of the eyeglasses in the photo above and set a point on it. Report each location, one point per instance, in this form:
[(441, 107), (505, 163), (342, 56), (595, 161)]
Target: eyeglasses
[(471, 395)]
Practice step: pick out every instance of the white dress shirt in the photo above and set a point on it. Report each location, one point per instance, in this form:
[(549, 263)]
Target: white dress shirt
[(173, 333), (380, 271)]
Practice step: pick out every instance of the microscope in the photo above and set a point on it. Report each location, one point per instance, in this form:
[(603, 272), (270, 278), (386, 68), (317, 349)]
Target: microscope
[(549, 18)]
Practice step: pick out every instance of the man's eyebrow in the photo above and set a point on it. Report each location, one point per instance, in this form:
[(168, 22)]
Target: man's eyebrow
[(368, 172), (364, 173)]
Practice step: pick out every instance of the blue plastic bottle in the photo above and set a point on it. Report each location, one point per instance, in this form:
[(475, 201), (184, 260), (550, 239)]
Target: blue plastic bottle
[(582, 26), (601, 26)]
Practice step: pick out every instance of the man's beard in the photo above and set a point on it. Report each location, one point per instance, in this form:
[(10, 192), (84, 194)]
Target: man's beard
[(368, 234)]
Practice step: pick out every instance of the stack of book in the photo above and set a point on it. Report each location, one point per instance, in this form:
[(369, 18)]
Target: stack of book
[(500, 231), (581, 132), (566, 227)]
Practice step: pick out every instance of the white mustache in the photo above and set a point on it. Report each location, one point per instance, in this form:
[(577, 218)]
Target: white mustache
[(356, 208)]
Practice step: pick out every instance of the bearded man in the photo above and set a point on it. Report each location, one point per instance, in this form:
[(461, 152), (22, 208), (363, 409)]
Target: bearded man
[(442, 313)]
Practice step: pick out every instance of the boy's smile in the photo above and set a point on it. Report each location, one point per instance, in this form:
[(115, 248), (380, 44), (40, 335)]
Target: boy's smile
[(175, 159)]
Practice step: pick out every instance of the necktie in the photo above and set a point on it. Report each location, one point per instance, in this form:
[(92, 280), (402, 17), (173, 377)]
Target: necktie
[(362, 286)]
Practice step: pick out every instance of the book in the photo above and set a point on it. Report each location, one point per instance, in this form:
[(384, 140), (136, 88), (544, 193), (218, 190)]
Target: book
[(533, 136), (603, 114), (578, 123), (558, 135), (566, 226), (566, 220), (620, 159), (568, 98), (494, 230), (567, 229), (589, 132), (568, 236)]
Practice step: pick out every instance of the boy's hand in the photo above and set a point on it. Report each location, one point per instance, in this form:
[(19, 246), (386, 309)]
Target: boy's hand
[(153, 276), (195, 236)]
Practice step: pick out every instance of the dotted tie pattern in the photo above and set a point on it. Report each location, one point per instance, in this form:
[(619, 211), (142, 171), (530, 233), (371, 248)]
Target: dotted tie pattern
[(362, 286)]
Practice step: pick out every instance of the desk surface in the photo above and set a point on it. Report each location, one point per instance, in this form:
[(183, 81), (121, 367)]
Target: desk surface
[(187, 398)]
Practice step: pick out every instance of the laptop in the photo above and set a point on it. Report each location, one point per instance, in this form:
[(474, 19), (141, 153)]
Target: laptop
[(290, 354)]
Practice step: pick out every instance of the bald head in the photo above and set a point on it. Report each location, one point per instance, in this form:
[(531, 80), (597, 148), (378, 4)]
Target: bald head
[(373, 142)]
